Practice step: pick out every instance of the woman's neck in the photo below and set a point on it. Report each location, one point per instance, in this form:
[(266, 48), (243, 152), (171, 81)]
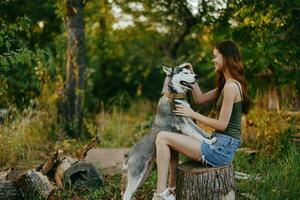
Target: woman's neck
[(227, 75)]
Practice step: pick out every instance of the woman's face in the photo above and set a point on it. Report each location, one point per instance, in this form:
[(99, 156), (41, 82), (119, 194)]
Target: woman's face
[(217, 60)]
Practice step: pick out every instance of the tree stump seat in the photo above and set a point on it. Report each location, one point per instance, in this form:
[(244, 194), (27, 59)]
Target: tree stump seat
[(198, 182)]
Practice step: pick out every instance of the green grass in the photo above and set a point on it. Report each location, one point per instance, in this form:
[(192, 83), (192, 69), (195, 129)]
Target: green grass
[(277, 178), (111, 189)]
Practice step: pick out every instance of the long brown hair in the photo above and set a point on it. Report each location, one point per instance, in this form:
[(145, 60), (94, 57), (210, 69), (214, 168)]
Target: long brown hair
[(232, 62)]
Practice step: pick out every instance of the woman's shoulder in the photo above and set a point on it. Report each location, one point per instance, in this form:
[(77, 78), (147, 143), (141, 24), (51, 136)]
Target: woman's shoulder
[(232, 84), (233, 87)]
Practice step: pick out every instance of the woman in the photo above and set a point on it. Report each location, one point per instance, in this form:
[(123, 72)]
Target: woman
[(231, 92)]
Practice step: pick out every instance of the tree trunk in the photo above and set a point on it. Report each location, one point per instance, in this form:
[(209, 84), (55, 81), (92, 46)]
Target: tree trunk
[(9, 190), (35, 185), (196, 182), (72, 109)]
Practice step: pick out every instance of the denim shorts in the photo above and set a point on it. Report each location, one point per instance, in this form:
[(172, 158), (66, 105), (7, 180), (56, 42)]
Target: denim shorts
[(221, 152)]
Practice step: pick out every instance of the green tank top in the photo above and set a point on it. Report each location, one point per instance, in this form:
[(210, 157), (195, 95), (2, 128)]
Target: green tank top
[(234, 126)]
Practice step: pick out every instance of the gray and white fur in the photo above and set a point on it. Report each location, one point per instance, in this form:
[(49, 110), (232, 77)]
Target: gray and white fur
[(139, 161)]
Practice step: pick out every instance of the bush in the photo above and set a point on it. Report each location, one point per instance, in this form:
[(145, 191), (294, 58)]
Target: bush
[(269, 131)]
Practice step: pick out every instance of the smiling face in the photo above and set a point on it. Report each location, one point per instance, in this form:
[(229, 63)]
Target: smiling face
[(218, 60), (181, 77)]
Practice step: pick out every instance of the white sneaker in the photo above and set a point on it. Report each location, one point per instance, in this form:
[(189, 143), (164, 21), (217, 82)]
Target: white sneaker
[(165, 195), (172, 192)]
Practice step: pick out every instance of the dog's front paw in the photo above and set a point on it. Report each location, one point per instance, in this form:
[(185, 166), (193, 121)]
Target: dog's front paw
[(213, 140)]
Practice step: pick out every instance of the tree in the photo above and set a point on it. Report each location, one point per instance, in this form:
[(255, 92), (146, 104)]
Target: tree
[(72, 110)]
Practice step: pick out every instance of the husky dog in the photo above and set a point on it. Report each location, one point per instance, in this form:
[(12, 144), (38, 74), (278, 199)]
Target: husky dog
[(139, 161)]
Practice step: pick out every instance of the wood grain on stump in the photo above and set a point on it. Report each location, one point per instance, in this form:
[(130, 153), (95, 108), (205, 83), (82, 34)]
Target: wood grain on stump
[(34, 184), (197, 182), (9, 190)]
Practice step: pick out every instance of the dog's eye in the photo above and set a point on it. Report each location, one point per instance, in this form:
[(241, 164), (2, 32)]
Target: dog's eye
[(185, 72)]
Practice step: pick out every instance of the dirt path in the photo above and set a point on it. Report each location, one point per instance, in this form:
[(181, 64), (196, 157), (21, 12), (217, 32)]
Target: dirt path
[(108, 160)]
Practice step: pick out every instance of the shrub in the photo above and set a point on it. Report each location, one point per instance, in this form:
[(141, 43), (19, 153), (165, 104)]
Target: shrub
[(269, 131)]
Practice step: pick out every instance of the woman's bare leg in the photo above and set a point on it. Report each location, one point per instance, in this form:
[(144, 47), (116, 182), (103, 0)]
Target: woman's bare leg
[(173, 168), (163, 155), (186, 145)]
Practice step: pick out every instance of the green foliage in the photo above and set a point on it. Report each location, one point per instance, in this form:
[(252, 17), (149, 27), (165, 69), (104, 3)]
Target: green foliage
[(125, 56), (266, 33), (23, 31), (17, 79), (270, 132), (131, 55)]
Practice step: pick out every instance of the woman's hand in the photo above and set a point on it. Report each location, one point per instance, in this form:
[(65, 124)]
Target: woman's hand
[(184, 111), (190, 67)]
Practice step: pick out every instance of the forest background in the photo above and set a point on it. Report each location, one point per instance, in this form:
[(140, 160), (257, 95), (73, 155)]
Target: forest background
[(125, 43)]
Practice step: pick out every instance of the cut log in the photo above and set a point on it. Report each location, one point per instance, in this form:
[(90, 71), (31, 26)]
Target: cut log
[(84, 175), (80, 174), (10, 191), (197, 182), (65, 163), (34, 184)]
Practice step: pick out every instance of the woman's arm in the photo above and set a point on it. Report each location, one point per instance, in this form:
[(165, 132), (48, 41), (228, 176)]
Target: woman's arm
[(198, 95), (222, 122), (200, 98)]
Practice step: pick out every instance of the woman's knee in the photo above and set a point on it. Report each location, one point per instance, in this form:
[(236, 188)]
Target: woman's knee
[(162, 137)]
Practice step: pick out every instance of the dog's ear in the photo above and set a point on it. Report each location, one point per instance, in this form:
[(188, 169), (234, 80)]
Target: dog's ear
[(167, 70)]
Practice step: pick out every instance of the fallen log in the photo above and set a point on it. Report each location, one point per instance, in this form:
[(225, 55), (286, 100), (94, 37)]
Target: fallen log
[(197, 182), (73, 173), (66, 171), (9, 190), (34, 185)]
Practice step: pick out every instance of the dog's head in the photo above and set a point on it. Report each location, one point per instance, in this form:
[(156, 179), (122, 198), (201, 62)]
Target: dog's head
[(181, 77)]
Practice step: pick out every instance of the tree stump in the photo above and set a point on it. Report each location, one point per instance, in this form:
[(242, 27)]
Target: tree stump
[(197, 182), (9, 190), (35, 185)]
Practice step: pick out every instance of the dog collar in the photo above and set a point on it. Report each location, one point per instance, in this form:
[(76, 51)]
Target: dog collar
[(175, 95)]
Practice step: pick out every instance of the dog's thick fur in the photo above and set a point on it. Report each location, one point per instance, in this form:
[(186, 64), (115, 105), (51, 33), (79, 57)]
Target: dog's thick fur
[(138, 163)]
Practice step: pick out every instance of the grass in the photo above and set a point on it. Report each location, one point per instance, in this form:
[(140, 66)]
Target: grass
[(272, 178), (122, 128), (28, 138)]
